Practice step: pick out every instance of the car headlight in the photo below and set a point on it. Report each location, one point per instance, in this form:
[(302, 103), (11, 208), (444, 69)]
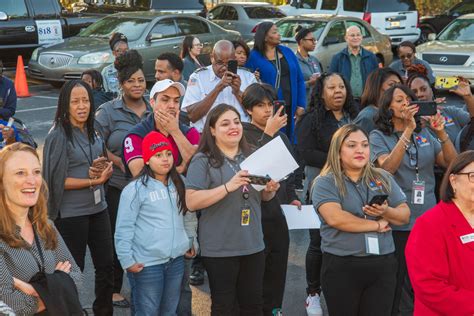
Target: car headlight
[(94, 58), (34, 55)]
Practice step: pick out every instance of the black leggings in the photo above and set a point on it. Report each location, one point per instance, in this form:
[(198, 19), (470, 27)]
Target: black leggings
[(314, 260), (359, 285), (403, 302), (236, 284)]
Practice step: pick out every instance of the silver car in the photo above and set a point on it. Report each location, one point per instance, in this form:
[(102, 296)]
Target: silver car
[(150, 33), (244, 16), (329, 31), (451, 53)]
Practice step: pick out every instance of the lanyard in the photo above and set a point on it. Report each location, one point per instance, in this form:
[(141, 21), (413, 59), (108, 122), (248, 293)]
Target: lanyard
[(278, 69), (245, 189), (89, 158), (413, 157), (364, 202)]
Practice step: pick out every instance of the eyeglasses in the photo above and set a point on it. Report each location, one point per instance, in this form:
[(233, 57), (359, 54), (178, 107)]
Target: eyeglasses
[(310, 39), (470, 175), (407, 56), (198, 45)]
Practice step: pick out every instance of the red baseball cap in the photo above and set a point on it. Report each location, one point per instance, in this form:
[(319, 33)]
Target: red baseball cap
[(153, 143)]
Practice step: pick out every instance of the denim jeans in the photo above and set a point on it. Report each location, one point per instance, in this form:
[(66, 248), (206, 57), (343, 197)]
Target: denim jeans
[(156, 289)]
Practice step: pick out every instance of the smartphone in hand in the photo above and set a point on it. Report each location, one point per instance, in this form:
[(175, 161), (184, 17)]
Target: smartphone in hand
[(280, 103), (232, 66)]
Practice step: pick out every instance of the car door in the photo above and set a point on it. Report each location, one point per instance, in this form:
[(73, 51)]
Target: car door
[(199, 28), (51, 28), (218, 15), (332, 42), (163, 37), (327, 6)]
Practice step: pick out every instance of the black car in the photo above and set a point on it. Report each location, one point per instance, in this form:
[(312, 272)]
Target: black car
[(435, 24)]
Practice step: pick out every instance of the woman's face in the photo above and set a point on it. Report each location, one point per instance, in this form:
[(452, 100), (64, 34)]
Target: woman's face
[(22, 180), (334, 93), (241, 56), (355, 151), (88, 79), (228, 129), (390, 82), (400, 101), (161, 163), (463, 186), (135, 86), (79, 106), (422, 89), (272, 37), (308, 43), (196, 48), (407, 56), (261, 112)]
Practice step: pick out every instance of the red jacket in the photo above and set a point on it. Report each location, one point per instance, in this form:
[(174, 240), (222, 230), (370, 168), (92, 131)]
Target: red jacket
[(440, 266)]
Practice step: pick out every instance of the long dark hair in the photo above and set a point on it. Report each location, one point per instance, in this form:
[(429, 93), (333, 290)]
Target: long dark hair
[(446, 191), (127, 64), (96, 77), (187, 45), (318, 105), (383, 119), (466, 140), (207, 144), (175, 177), (62, 113), (373, 85), (260, 34)]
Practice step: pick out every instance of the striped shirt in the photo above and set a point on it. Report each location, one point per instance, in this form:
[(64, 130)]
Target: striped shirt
[(20, 263)]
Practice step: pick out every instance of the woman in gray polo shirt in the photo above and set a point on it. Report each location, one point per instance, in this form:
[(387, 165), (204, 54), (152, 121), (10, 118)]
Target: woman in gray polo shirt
[(114, 120), (409, 152), (230, 226), (75, 173), (358, 261)]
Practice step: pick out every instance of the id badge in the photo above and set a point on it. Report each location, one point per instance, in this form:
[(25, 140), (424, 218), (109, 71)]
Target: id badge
[(97, 196), (418, 192), (245, 217), (372, 244)]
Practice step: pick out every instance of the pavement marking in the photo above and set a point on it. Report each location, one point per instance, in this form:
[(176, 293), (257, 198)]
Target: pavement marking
[(45, 97), (38, 109)]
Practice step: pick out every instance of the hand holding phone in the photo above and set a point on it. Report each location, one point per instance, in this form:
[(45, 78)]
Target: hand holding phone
[(425, 108), (379, 199), (232, 66)]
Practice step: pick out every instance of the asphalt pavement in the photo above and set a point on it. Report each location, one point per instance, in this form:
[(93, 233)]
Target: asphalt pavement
[(38, 111)]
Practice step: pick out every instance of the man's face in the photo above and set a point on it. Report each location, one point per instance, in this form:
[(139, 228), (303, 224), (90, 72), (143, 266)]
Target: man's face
[(167, 101), (353, 37), (219, 62), (163, 71), (119, 49)]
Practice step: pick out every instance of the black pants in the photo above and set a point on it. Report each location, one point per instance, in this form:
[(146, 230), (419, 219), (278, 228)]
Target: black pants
[(277, 243), (359, 285), (403, 302), (236, 284), (314, 260), (113, 199), (93, 231)]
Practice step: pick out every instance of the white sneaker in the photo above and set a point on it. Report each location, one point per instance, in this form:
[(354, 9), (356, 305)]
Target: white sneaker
[(313, 306)]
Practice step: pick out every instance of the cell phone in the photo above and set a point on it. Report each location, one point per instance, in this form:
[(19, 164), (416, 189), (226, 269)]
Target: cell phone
[(232, 66), (260, 180), (426, 108), (379, 199), (280, 103), (446, 82)]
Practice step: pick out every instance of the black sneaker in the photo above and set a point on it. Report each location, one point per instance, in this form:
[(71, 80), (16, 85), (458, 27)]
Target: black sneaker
[(197, 277)]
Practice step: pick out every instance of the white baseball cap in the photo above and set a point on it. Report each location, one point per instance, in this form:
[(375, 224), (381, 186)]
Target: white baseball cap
[(162, 85)]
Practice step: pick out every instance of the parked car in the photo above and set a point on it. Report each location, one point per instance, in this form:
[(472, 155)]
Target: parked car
[(395, 18), (451, 53), (244, 16), (150, 33), (329, 31), (435, 24), (28, 24)]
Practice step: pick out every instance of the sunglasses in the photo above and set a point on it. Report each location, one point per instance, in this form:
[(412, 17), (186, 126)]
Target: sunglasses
[(407, 56)]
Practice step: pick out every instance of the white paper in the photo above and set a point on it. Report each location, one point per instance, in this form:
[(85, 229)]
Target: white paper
[(306, 218), (49, 31), (273, 160)]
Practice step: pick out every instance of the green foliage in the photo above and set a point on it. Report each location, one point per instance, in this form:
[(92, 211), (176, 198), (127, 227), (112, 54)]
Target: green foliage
[(432, 7)]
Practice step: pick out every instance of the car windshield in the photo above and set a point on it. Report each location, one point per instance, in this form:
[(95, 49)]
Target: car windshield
[(287, 28), (460, 30), (390, 5), (264, 12), (104, 28)]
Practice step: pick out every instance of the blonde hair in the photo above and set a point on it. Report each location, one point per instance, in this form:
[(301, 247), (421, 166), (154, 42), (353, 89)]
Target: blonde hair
[(333, 163), (38, 214)]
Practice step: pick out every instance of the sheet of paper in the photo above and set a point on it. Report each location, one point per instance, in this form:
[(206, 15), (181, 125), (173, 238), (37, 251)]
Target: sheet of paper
[(306, 218), (273, 159)]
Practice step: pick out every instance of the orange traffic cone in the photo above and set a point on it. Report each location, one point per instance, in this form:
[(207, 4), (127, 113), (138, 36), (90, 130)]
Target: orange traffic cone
[(21, 86)]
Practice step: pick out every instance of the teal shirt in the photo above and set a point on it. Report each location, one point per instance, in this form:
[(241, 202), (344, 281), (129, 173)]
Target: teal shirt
[(356, 75)]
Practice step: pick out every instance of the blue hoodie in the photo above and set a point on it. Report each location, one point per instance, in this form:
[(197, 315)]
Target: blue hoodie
[(150, 229), (7, 98)]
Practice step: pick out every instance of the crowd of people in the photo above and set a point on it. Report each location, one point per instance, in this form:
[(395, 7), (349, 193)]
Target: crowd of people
[(152, 184)]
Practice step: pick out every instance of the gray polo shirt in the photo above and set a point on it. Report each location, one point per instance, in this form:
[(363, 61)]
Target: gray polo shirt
[(220, 231), (358, 195), (81, 202), (398, 67), (428, 148), (309, 66), (365, 118), (114, 120), (455, 118)]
